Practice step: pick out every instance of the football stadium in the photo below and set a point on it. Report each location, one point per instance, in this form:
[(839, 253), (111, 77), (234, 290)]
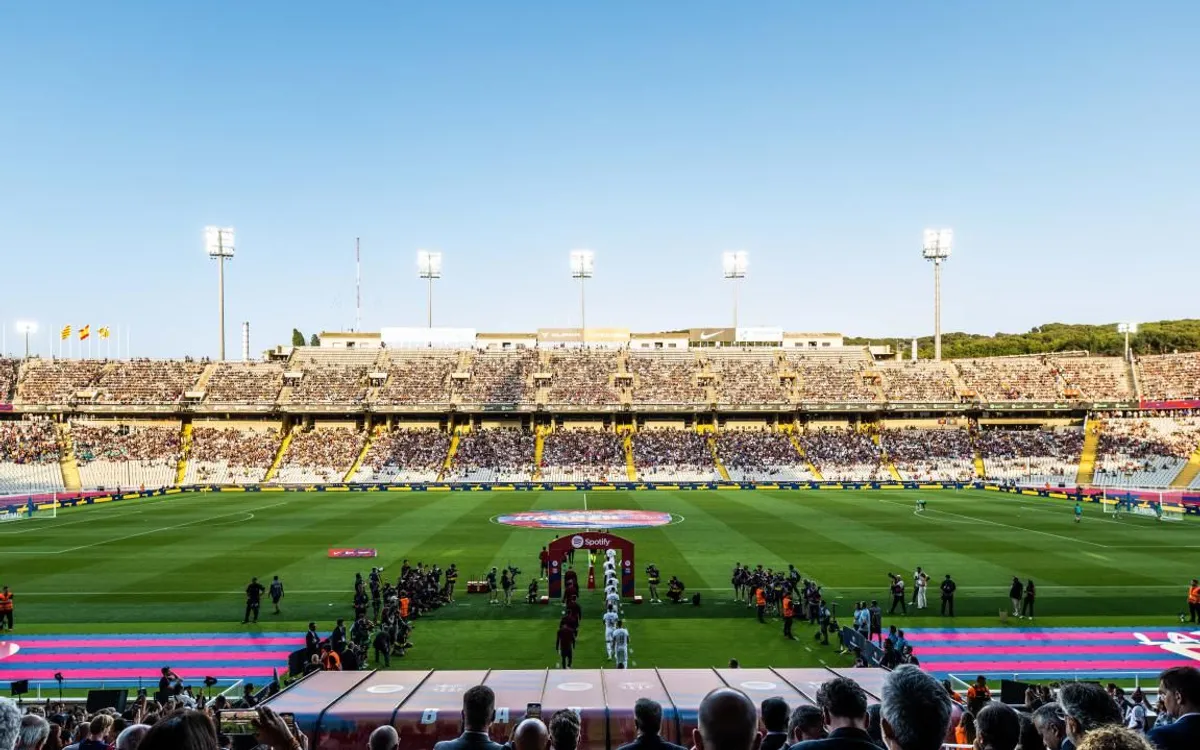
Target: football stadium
[(583, 477)]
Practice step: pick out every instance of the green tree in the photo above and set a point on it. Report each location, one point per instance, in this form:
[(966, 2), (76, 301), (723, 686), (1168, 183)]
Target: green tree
[(315, 340), (297, 337)]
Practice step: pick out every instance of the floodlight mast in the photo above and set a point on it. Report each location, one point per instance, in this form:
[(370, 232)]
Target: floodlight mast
[(1127, 329), (26, 327), (936, 247), (583, 266), (734, 265), (219, 244), (429, 267)]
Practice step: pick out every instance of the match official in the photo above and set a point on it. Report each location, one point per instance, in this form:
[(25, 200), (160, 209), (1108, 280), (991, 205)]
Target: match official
[(948, 589), (254, 594)]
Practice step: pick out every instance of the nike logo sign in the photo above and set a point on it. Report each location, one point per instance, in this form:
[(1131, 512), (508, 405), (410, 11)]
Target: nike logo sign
[(707, 336)]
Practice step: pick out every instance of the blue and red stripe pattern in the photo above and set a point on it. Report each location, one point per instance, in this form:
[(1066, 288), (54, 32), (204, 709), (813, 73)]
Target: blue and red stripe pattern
[(193, 656), (1100, 652)]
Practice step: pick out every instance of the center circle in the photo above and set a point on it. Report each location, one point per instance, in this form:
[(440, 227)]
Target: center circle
[(585, 519)]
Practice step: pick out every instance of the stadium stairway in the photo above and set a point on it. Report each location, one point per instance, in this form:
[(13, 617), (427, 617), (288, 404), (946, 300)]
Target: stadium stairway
[(1189, 471), (185, 452), (887, 460), (205, 376), (630, 464), (539, 448), (66, 458), (362, 454), (980, 469), (1087, 459), (454, 441), (279, 454), (710, 438), (812, 468)]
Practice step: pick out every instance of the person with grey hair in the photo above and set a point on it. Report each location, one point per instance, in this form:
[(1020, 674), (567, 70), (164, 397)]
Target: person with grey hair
[(383, 738), (34, 731), (1085, 707), (727, 720), (131, 736), (10, 723), (915, 710), (1052, 726)]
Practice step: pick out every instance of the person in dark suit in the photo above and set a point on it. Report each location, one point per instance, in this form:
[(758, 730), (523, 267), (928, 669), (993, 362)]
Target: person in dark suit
[(807, 723), (844, 709), (727, 720), (1179, 692), (775, 713), (1086, 706), (647, 715), (479, 711)]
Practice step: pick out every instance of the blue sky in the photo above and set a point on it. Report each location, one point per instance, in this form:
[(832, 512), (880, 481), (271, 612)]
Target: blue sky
[(1058, 139)]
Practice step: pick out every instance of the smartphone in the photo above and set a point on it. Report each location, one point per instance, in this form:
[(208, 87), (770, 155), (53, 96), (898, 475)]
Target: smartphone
[(239, 722), (533, 710)]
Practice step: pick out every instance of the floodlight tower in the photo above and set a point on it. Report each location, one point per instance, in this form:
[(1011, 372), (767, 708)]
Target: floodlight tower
[(583, 266), (429, 267), (734, 264), (218, 243), (1126, 328), (936, 247), (27, 327)]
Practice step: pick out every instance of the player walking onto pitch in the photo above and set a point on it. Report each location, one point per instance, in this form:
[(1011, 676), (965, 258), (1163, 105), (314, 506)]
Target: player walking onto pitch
[(276, 592), (621, 645), (611, 618), (1078, 511)]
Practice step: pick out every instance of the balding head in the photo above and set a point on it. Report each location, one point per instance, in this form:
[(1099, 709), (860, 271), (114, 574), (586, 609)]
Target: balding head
[(384, 738), (531, 734), (727, 720)]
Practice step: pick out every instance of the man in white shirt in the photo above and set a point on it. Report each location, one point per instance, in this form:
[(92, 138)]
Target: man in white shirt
[(621, 645), (612, 599), (920, 581), (610, 624)]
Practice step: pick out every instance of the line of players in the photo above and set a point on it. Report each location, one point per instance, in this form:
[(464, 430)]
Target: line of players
[(616, 635)]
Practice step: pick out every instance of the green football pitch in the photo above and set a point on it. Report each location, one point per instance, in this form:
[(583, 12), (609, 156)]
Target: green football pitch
[(181, 563)]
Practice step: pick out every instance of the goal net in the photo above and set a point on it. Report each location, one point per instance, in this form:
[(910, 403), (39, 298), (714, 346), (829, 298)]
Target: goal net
[(1164, 505), (28, 507)]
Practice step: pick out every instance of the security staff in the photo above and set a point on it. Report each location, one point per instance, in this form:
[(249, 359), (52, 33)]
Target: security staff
[(6, 609), (1193, 602), (948, 588), (788, 613), (760, 601)]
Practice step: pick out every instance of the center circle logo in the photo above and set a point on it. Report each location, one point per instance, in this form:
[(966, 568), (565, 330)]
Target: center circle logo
[(8, 648), (585, 519), (575, 687), (757, 685), (577, 542)]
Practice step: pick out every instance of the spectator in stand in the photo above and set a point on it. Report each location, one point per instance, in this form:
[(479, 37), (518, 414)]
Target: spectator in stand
[(131, 737), (647, 715), (564, 730), (998, 727), (1051, 725), (806, 723), (1179, 692), (774, 712), (1086, 706), (10, 724), (479, 711), (843, 454), (384, 738), (530, 734), (915, 710), (672, 454), (727, 720), (844, 712), (34, 732), (1116, 738)]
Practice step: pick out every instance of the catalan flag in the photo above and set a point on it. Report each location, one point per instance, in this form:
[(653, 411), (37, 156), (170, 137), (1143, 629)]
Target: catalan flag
[(104, 332), (85, 332), (66, 333)]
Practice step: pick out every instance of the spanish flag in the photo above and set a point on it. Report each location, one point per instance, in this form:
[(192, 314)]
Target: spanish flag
[(104, 332), (85, 332), (66, 333)]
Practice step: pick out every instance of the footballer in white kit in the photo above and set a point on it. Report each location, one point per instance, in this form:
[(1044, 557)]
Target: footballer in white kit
[(620, 644), (611, 618), (612, 599)]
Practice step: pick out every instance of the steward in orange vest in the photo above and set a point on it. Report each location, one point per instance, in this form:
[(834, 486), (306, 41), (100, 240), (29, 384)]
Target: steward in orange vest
[(1193, 602), (760, 601), (6, 610), (788, 613)]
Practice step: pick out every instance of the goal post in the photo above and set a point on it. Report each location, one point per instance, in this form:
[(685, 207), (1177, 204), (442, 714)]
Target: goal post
[(39, 507), (1163, 505)]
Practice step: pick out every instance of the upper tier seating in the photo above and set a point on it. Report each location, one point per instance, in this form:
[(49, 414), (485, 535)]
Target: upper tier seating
[(119, 455), (501, 378), (29, 457), (147, 381), (8, 379), (748, 378), (761, 455), (418, 378), (922, 380), (1015, 379), (583, 377), (228, 455), (244, 383), (582, 455), (413, 455), (1095, 378), (665, 378), (57, 381), (1170, 376), (822, 379)]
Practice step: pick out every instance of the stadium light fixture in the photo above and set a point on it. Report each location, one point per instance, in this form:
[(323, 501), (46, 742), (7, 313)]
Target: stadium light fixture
[(734, 264), (1128, 329), (583, 266), (936, 247), (429, 267), (219, 244), (27, 327)]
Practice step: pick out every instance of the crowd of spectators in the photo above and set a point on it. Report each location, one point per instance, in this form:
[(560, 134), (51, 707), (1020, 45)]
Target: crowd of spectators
[(665, 379), (1011, 379), (843, 454), (415, 455), (57, 381), (332, 384), (147, 381), (1094, 378), (1144, 452), (762, 455), (494, 455), (918, 381), (244, 383), (930, 454), (501, 377), (418, 378), (578, 455), (748, 379), (1170, 376), (671, 454), (1036, 456), (123, 455), (229, 455), (583, 377), (320, 455), (825, 380), (29, 457), (9, 368)]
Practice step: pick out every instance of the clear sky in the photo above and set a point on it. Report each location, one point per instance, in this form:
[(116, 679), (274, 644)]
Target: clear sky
[(1060, 140)]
